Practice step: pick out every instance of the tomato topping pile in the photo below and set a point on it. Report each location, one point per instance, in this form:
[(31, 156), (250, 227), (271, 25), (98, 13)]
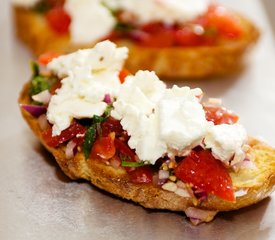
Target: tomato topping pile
[(220, 115), (58, 20), (205, 30), (206, 173)]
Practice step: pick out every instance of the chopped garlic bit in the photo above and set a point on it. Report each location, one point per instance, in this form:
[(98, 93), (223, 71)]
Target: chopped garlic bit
[(170, 186)]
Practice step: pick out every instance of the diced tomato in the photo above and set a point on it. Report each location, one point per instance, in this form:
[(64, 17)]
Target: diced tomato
[(206, 173), (227, 24), (104, 147), (111, 125), (156, 35), (141, 175), (65, 135), (58, 20), (186, 37), (125, 150), (123, 74), (158, 40), (47, 57), (220, 115)]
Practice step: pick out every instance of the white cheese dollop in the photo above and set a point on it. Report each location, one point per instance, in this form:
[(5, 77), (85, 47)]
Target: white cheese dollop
[(226, 142), (167, 11), (25, 3), (159, 121), (91, 20), (89, 75), (182, 118)]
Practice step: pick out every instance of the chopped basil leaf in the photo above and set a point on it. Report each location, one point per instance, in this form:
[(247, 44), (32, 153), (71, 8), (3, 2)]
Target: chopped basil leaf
[(210, 31), (98, 119), (41, 7), (108, 110), (89, 140), (123, 27), (38, 84), (35, 69), (132, 164)]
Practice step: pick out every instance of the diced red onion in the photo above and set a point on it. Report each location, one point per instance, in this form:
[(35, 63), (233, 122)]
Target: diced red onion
[(163, 174), (107, 98), (34, 110), (138, 35), (43, 122), (115, 162), (69, 152), (42, 97), (245, 164), (198, 216), (200, 194), (195, 221), (157, 181), (240, 192)]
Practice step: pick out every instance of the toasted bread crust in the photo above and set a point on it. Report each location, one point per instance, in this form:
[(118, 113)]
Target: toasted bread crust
[(259, 182), (175, 62)]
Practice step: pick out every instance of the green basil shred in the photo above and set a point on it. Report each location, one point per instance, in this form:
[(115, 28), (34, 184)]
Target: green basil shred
[(132, 164), (89, 140), (39, 83), (90, 135)]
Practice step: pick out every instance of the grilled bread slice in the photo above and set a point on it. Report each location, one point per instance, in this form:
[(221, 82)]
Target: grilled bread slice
[(172, 62), (259, 182)]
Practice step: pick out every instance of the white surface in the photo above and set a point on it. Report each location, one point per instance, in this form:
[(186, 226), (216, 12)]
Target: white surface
[(38, 202)]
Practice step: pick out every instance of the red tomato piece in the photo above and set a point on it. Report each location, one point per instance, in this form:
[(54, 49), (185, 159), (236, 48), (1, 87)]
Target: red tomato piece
[(141, 175), (206, 173), (157, 35), (227, 24), (104, 147), (123, 74), (186, 37), (158, 40), (65, 135), (47, 57), (111, 125), (58, 20), (220, 115), (125, 150)]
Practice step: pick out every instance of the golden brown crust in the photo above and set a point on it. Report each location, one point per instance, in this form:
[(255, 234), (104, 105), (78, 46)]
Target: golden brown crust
[(176, 62), (259, 182)]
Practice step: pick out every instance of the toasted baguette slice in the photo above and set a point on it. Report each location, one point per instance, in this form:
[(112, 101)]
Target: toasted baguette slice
[(259, 182), (175, 62)]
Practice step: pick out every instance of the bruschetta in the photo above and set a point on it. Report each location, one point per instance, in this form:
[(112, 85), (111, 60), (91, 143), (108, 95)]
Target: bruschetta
[(176, 39), (130, 135)]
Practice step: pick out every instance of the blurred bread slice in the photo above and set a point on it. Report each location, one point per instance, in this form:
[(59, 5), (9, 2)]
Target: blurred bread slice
[(174, 62)]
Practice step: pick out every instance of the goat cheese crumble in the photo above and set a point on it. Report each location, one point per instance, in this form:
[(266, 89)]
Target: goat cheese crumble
[(91, 20), (88, 76), (159, 121)]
